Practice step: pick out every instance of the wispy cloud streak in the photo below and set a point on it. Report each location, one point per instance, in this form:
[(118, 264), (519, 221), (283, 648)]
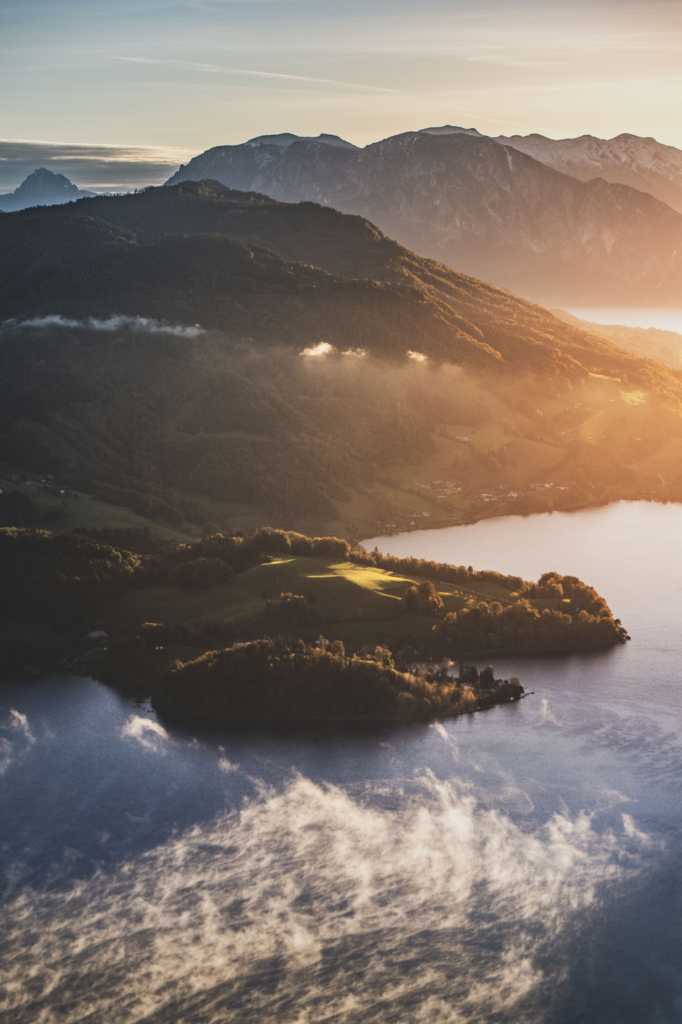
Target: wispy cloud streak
[(217, 69), (136, 324)]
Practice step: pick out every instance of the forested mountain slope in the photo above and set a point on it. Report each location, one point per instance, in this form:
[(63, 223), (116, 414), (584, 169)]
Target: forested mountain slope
[(278, 273), (479, 206), (438, 395)]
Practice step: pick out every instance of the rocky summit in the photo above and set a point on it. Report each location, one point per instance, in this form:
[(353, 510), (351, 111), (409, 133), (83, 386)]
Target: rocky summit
[(42, 188)]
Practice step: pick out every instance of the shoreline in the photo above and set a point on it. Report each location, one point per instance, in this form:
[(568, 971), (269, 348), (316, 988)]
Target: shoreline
[(429, 526)]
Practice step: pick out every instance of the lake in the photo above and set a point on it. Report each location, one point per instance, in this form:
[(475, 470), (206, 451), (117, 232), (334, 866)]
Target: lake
[(518, 865)]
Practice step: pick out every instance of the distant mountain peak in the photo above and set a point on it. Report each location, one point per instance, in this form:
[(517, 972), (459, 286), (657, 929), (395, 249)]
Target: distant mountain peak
[(42, 179), (42, 188), (635, 160), (539, 216), (285, 139), (449, 129)]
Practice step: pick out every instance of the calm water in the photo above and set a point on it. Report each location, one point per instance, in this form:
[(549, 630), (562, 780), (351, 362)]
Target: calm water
[(519, 865), (632, 316)]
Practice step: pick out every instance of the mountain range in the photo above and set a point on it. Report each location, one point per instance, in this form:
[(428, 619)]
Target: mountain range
[(42, 188), (643, 163), (485, 208)]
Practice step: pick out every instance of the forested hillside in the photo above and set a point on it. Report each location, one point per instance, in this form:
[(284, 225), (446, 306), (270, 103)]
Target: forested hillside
[(334, 376)]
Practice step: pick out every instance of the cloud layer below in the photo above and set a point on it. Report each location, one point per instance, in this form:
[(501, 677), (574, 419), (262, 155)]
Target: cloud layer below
[(99, 168)]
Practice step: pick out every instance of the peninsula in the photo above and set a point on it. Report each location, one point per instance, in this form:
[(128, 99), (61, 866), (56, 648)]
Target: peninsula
[(279, 626)]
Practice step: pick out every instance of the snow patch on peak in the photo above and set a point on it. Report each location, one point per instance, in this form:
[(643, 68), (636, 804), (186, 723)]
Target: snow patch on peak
[(449, 129), (286, 139)]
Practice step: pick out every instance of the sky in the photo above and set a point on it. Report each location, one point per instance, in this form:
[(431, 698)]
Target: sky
[(121, 91)]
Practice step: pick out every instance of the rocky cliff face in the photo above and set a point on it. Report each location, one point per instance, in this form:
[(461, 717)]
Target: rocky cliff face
[(481, 207), (626, 160), (42, 188)]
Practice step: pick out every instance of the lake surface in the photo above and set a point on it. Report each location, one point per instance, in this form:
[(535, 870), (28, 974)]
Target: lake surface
[(522, 864), (632, 316)]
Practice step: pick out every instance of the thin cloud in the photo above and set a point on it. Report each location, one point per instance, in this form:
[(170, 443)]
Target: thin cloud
[(218, 70), (137, 324), (322, 348), (92, 166), (19, 741), (150, 734)]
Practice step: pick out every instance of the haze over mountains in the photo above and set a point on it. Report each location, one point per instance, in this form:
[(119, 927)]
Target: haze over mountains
[(42, 188), (284, 273), (645, 164), (430, 380), (483, 207)]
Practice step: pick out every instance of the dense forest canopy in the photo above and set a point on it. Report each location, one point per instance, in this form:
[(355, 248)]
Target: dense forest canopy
[(63, 579), (283, 680), (277, 272)]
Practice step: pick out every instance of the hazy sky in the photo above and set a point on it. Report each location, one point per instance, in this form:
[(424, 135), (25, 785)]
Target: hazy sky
[(189, 75)]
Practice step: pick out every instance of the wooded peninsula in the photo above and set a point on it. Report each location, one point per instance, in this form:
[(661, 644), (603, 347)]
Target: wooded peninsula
[(279, 626)]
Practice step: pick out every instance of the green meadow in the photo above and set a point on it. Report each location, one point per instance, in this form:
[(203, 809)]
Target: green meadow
[(350, 602)]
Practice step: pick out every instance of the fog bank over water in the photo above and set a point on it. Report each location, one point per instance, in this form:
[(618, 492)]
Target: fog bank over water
[(316, 903), (520, 864), (664, 319)]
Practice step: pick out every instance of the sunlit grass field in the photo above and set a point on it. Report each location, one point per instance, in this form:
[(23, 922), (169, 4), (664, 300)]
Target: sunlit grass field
[(355, 603)]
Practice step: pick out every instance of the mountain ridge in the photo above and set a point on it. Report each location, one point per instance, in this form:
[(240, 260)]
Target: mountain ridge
[(481, 207), (166, 252)]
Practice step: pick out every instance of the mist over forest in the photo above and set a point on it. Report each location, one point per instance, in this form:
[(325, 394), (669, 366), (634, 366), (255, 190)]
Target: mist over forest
[(211, 358)]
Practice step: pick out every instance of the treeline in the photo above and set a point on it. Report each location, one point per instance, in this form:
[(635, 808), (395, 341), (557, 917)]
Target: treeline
[(282, 679), (521, 627), (57, 578)]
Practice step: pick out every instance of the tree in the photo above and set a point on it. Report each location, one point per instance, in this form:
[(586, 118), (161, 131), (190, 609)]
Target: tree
[(422, 599), (487, 677)]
